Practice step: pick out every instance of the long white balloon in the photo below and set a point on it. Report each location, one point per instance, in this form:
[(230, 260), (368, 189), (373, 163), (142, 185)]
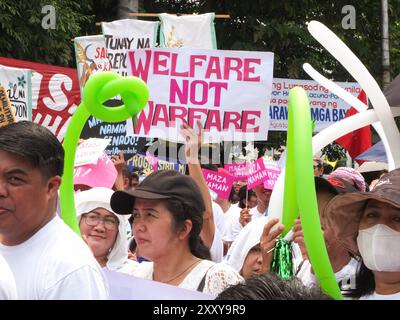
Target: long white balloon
[(319, 141), (353, 65), (353, 101)]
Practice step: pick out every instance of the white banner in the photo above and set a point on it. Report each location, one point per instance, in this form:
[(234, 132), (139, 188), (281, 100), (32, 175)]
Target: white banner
[(126, 287), (17, 82), (326, 107), (228, 91), (128, 34), (91, 57), (190, 31)]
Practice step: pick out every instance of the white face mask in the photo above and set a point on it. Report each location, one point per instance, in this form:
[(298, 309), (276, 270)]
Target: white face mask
[(380, 248)]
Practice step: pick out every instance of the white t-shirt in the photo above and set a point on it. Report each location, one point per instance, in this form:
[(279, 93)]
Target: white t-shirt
[(8, 290), (376, 296), (217, 246), (55, 264), (219, 276), (345, 276)]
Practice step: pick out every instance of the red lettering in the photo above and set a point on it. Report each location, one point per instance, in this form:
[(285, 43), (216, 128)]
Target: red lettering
[(231, 118), (175, 73), (160, 115), (247, 121), (139, 68), (174, 114), (143, 120), (213, 67), (196, 60), (195, 113), (232, 64), (213, 120), (247, 70)]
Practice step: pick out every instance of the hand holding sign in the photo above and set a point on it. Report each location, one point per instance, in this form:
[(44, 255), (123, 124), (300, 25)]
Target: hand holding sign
[(99, 88)]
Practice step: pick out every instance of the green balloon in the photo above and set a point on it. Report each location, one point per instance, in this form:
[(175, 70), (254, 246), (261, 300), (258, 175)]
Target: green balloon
[(99, 88), (299, 194)]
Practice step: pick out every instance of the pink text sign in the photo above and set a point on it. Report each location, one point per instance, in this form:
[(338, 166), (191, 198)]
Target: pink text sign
[(273, 174), (220, 183), (238, 170), (257, 174), (101, 174)]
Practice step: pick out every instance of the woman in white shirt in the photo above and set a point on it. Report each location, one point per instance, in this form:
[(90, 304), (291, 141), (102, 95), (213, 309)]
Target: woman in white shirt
[(167, 210)]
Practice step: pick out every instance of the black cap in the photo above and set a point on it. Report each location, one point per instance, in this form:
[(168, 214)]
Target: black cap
[(164, 184), (334, 185)]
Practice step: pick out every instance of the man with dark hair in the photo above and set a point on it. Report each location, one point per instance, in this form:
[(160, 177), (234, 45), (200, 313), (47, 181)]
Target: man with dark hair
[(269, 286), (48, 260), (318, 167)]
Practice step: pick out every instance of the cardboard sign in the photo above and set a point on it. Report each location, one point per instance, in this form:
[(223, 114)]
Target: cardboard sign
[(218, 182), (90, 150), (6, 113), (228, 91)]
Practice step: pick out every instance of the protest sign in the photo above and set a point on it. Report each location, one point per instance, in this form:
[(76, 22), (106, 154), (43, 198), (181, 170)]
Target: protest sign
[(191, 31), (6, 112), (218, 182), (55, 94), (17, 82), (273, 172), (145, 164), (116, 132), (257, 173), (126, 287), (127, 34), (91, 57), (326, 107), (238, 170), (228, 91), (100, 174), (90, 150)]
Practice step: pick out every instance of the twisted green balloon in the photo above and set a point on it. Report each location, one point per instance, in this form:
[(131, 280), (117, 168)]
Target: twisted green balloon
[(99, 88), (299, 194)]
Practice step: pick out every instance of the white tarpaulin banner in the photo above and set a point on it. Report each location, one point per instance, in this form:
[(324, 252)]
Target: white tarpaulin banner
[(91, 57), (17, 82), (128, 34), (326, 107), (228, 91), (189, 31)]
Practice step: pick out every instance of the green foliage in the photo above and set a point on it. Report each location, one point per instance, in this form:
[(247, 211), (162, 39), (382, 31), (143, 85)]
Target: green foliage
[(22, 35)]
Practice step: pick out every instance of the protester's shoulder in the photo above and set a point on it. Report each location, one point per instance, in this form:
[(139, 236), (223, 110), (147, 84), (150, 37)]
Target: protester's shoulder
[(222, 270), (67, 247)]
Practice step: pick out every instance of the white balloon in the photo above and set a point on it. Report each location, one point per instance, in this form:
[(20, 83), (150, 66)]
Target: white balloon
[(353, 65), (353, 101)]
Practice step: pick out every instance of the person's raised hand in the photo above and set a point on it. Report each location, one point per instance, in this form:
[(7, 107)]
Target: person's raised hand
[(267, 242)]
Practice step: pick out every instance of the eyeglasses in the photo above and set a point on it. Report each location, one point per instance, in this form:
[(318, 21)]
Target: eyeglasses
[(93, 220)]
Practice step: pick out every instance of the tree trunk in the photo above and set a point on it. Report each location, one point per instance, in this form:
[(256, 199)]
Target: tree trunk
[(385, 45), (127, 6)]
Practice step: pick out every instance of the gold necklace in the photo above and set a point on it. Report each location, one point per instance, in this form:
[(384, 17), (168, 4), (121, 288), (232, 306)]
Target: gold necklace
[(176, 277)]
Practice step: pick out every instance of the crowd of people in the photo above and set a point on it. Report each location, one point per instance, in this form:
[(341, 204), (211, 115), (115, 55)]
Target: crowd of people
[(169, 228)]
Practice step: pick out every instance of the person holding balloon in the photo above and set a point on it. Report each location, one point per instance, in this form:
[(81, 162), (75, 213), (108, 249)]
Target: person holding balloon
[(368, 225), (344, 263)]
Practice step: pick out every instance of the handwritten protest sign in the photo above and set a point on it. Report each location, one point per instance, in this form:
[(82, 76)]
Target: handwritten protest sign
[(17, 83), (228, 91), (100, 174), (6, 113), (326, 107), (218, 182), (127, 34), (90, 150)]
